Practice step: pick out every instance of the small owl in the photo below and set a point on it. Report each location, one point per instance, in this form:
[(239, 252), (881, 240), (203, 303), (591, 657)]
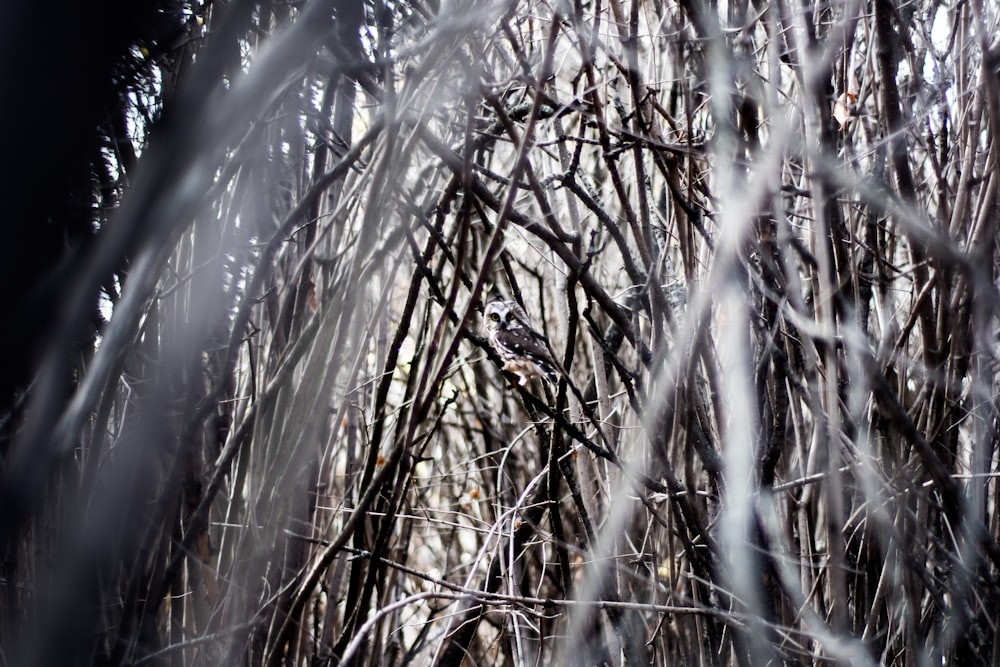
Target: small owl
[(524, 351)]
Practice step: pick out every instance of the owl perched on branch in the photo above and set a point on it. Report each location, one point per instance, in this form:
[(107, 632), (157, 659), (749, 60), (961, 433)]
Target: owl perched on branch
[(524, 351)]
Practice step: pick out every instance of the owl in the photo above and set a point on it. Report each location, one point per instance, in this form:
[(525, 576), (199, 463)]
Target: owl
[(524, 351)]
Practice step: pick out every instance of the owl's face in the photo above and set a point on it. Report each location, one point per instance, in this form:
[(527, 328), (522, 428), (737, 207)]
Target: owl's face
[(503, 315)]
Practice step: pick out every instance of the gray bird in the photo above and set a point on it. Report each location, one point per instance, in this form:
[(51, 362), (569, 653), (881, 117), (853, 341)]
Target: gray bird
[(524, 351)]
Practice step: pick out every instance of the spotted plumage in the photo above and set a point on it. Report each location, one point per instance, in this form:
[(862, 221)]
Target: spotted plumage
[(523, 350)]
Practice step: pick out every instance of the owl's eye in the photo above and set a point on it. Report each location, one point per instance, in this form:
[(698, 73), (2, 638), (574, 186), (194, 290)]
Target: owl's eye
[(510, 317), (495, 317)]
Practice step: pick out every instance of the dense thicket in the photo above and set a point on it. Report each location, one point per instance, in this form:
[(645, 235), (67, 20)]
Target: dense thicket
[(249, 414)]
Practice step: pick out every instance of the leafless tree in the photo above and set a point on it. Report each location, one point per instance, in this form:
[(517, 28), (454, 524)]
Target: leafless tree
[(249, 414)]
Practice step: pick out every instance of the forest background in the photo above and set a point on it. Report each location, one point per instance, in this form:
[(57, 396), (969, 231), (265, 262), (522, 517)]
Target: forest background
[(249, 414)]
